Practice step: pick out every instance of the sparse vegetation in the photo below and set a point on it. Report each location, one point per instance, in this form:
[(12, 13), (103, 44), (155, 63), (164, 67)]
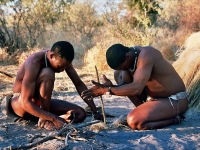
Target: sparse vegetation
[(27, 26)]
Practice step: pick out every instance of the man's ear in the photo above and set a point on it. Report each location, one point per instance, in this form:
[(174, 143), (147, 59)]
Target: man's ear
[(51, 55), (128, 55)]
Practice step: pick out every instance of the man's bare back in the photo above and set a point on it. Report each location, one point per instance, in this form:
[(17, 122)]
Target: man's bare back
[(36, 58), (164, 80), (150, 82)]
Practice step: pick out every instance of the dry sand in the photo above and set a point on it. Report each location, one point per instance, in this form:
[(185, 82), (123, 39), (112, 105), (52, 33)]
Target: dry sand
[(183, 136)]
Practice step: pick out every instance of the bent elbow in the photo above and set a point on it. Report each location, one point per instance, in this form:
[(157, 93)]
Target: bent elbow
[(25, 105)]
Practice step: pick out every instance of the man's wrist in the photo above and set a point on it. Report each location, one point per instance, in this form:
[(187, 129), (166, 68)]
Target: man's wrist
[(94, 113), (53, 118), (108, 93)]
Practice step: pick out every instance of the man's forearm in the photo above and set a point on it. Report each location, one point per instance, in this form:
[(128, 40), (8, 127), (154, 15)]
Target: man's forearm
[(119, 85), (34, 110), (122, 90), (90, 103)]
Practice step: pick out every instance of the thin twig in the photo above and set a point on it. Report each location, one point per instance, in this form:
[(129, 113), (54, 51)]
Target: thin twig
[(67, 137), (102, 105), (7, 74), (29, 145), (77, 138)]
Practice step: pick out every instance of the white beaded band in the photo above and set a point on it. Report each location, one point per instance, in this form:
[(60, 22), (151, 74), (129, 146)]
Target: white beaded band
[(108, 94)]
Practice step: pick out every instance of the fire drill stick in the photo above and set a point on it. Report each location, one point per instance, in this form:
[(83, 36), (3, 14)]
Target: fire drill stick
[(102, 105)]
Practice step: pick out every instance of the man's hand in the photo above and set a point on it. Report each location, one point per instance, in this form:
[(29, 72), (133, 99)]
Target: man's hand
[(97, 89), (107, 82), (98, 116), (49, 125)]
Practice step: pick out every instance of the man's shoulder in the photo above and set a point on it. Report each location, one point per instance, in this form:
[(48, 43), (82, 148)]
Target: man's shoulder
[(149, 54), (33, 60), (149, 48), (150, 51)]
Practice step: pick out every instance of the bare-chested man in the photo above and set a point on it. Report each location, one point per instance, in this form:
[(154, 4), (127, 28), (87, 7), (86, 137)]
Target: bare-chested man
[(150, 82), (35, 82)]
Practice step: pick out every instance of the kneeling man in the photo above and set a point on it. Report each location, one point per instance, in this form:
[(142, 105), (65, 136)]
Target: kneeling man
[(149, 81), (34, 85)]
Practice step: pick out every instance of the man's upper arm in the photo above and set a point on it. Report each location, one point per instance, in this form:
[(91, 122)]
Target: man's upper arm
[(71, 72), (29, 81), (144, 70)]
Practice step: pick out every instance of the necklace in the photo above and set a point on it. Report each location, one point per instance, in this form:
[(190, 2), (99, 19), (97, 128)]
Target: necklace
[(135, 62), (134, 67), (45, 58)]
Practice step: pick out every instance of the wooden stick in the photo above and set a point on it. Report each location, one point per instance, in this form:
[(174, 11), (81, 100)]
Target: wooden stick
[(102, 105), (29, 145), (5, 73)]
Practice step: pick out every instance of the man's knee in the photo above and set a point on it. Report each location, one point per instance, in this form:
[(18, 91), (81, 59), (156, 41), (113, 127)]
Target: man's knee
[(46, 74), (121, 76), (127, 77), (135, 121), (80, 115), (118, 76)]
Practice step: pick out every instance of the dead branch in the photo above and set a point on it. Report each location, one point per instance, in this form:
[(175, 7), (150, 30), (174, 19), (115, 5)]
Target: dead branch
[(102, 105), (3, 72), (66, 127), (67, 137)]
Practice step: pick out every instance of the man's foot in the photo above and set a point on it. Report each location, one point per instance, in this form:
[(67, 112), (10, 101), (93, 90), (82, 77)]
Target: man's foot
[(178, 119), (69, 116)]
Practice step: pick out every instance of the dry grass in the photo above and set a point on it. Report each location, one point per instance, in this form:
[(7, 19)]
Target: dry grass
[(3, 55), (168, 41), (96, 56), (18, 57), (188, 67), (168, 53), (5, 58)]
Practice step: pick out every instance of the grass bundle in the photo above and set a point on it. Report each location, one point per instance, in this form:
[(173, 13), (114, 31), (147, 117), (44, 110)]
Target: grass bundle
[(96, 56), (188, 67)]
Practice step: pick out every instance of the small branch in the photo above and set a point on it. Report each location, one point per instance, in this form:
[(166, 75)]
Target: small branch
[(67, 137), (102, 105), (3, 72), (29, 145)]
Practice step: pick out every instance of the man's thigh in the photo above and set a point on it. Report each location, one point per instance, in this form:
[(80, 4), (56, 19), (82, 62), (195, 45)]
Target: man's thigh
[(46, 75), (159, 109), (60, 107)]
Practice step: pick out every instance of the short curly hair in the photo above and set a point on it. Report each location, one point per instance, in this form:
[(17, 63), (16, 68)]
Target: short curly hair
[(116, 55), (63, 49)]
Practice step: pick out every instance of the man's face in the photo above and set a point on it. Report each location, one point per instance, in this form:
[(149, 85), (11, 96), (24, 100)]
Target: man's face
[(59, 64), (124, 66)]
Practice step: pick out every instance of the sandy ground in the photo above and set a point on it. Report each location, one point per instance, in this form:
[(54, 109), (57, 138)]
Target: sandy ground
[(12, 134)]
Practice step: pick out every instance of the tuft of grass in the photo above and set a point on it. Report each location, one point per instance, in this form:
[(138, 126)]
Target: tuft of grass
[(96, 56), (168, 41), (188, 67)]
